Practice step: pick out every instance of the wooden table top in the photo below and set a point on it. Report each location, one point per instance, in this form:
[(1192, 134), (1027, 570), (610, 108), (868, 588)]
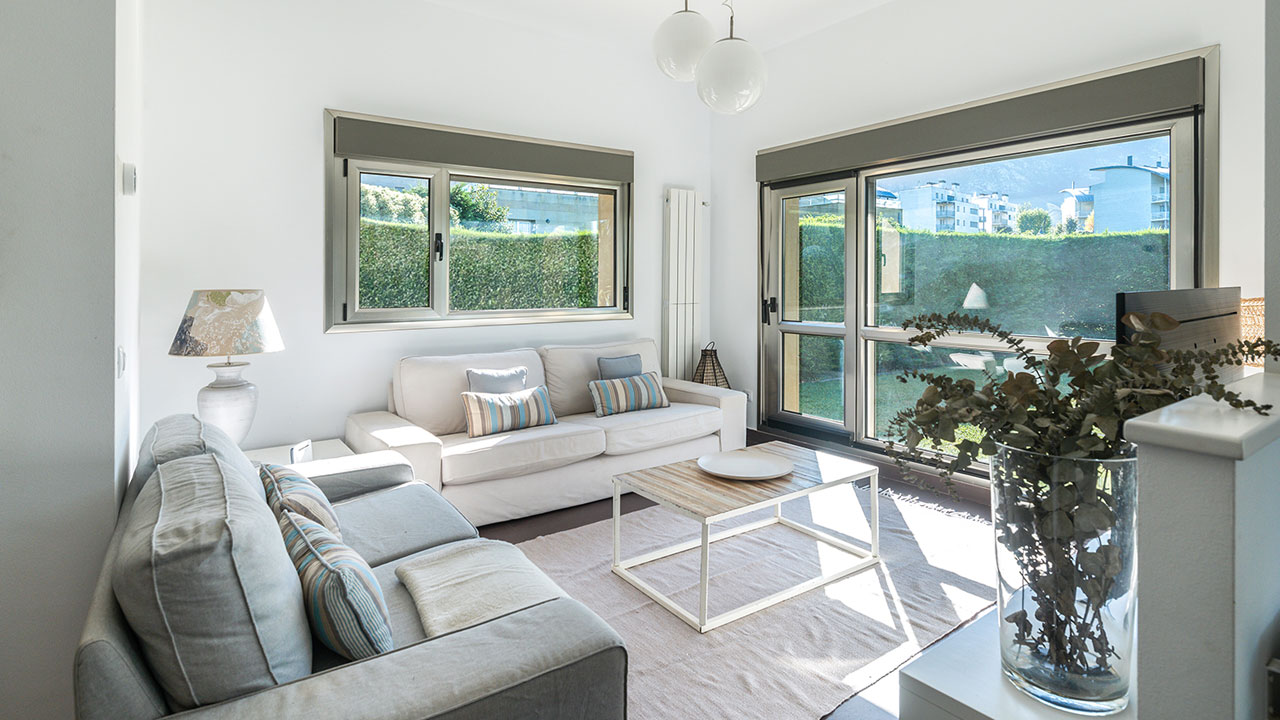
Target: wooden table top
[(690, 488)]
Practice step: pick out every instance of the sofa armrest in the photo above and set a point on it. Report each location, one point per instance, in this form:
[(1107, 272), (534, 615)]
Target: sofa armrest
[(351, 475), (374, 431), (553, 660), (732, 403)]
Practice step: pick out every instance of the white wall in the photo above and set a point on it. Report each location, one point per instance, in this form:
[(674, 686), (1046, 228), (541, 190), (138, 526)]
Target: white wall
[(235, 186), (57, 254), (911, 56), (128, 253)]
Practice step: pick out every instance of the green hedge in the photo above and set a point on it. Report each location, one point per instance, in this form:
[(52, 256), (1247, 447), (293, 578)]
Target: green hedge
[(487, 270), (1067, 282), (394, 264)]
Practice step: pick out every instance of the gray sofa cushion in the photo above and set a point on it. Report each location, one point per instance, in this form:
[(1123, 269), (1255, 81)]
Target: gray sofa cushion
[(389, 524), (612, 368), (179, 436), (506, 380), (554, 660), (206, 584)]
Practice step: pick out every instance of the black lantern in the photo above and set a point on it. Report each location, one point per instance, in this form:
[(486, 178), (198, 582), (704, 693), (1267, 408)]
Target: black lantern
[(709, 371)]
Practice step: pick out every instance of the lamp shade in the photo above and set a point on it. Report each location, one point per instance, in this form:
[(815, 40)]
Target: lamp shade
[(679, 43), (731, 76), (227, 322)]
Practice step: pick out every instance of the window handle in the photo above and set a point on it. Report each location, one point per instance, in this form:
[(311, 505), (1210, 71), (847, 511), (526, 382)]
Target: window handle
[(440, 246), (768, 307)]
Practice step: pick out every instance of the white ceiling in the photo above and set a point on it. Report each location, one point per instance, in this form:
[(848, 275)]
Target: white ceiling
[(766, 23)]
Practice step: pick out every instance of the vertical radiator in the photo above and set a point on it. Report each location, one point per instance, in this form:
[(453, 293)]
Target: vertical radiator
[(686, 273)]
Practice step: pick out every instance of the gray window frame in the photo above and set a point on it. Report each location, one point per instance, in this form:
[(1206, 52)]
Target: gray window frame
[(342, 309), (1187, 258)]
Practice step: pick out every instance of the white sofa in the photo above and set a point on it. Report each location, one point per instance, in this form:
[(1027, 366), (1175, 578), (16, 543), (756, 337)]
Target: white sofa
[(526, 472)]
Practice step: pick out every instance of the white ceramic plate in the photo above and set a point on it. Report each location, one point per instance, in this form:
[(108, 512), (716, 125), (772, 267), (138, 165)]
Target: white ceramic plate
[(745, 465)]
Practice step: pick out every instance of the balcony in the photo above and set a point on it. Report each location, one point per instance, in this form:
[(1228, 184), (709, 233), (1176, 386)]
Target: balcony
[(946, 210), (1159, 197), (1159, 215)]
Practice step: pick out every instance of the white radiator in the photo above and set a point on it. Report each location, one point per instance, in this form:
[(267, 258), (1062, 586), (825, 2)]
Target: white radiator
[(686, 274)]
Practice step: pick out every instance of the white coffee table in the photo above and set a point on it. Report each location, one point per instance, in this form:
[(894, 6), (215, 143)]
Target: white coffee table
[(686, 489)]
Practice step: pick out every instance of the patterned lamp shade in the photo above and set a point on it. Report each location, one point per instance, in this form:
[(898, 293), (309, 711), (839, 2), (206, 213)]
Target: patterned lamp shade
[(709, 370), (227, 322)]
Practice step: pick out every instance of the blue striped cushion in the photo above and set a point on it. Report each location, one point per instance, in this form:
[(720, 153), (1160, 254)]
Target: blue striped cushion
[(344, 603), (638, 392), (489, 413), (288, 490)]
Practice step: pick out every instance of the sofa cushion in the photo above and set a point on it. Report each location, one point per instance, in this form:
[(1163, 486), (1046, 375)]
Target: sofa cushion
[(184, 435), (491, 413), (389, 524), (612, 368), (569, 369), (628, 394), (646, 429), (343, 600), (467, 460), (507, 380), (428, 390), (288, 489), (206, 584)]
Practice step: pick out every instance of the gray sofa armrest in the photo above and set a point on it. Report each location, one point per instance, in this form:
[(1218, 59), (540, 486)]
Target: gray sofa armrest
[(351, 475), (732, 403), (554, 660), (381, 430)]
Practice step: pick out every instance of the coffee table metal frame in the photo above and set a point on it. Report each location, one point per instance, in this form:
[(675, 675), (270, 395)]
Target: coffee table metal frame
[(701, 622)]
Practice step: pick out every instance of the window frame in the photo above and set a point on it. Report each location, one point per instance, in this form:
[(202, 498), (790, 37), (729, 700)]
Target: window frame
[(1184, 244), (342, 217), (351, 224), (1190, 252)]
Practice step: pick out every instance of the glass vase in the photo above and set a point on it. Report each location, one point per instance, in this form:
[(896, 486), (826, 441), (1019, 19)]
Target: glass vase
[(1064, 532)]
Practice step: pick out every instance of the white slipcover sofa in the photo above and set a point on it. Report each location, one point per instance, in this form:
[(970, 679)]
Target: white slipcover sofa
[(526, 472)]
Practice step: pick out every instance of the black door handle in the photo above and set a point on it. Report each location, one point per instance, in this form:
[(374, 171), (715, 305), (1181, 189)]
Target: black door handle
[(767, 308), (440, 246)]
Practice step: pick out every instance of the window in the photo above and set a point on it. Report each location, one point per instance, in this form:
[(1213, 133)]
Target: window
[(1059, 227), (1087, 226), (415, 243)]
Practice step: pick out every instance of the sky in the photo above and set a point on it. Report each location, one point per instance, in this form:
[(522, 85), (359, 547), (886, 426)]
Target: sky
[(1037, 180)]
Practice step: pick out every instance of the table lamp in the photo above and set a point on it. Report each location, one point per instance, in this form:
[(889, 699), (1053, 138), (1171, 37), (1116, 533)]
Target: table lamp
[(225, 323)]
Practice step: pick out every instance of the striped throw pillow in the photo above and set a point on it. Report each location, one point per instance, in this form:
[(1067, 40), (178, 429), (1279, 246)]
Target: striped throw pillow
[(490, 413), (288, 490), (344, 603), (638, 392)]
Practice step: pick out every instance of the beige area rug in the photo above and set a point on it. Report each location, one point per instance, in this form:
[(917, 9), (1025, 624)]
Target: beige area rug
[(801, 658)]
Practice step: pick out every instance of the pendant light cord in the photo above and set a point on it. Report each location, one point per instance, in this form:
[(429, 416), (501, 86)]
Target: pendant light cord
[(728, 4)]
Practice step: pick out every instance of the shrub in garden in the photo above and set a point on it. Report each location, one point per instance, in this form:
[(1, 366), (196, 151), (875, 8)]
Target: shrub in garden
[(488, 270)]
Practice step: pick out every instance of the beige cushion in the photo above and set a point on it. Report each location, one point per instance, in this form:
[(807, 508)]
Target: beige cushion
[(520, 452), (570, 367), (427, 390), (646, 429)]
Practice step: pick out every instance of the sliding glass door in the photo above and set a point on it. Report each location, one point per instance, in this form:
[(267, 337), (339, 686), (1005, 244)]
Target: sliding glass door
[(1037, 237)]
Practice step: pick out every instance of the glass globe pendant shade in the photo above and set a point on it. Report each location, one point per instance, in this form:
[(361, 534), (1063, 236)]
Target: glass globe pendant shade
[(731, 76), (679, 43)]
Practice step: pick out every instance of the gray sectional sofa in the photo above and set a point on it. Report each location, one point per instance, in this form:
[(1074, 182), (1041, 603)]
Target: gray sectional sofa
[(552, 659)]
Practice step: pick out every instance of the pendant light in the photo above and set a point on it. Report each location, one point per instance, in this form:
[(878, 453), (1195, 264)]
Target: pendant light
[(680, 42), (731, 74)]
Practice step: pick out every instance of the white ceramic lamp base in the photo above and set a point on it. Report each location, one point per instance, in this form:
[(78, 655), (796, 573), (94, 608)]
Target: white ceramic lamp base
[(230, 401)]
